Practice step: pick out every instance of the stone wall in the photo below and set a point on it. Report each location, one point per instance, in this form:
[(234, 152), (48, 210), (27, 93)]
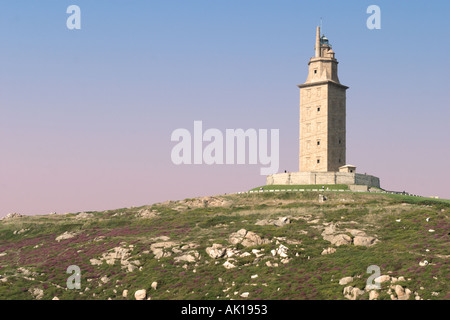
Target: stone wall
[(305, 178)]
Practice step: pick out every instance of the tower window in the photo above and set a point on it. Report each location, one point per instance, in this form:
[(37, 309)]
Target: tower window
[(339, 141), (318, 143), (339, 160), (318, 109), (315, 71), (318, 160)]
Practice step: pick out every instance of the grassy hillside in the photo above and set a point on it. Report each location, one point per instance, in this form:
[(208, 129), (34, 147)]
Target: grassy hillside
[(293, 247)]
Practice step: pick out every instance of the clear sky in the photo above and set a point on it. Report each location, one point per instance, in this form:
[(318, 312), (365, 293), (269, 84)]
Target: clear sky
[(86, 115)]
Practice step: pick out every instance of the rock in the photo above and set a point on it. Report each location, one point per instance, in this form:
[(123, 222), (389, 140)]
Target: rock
[(216, 251), (96, 262), (36, 293), (257, 253), (84, 215), (423, 263), (282, 251), (140, 294), (356, 232), (118, 253), (20, 231), (364, 241), (154, 285), (125, 293), (246, 238), (352, 293), (338, 240), (328, 251), (185, 257), (373, 295), (55, 298), (382, 279), (147, 213), (345, 281), (104, 279), (279, 222), (282, 221), (322, 198), (66, 235), (228, 265), (254, 276), (245, 295), (158, 249), (329, 230), (13, 215), (401, 293)]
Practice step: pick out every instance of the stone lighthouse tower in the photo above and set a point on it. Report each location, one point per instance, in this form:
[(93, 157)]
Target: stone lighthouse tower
[(322, 158), (322, 113)]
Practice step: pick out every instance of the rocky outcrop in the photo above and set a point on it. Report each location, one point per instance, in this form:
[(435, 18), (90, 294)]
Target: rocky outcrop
[(246, 238), (120, 254), (345, 280), (147, 213), (216, 251), (364, 241), (280, 222), (352, 293), (328, 251), (66, 235), (11, 216), (341, 237)]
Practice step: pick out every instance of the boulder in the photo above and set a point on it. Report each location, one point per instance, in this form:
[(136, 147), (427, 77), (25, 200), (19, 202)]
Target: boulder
[(66, 235), (140, 294), (328, 251), (345, 280), (216, 251), (352, 293), (373, 295), (382, 279), (185, 257), (339, 239), (84, 215), (364, 241), (401, 293), (13, 215), (246, 238), (228, 265), (282, 221)]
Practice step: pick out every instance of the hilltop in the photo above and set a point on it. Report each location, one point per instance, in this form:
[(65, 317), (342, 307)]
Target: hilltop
[(241, 246)]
